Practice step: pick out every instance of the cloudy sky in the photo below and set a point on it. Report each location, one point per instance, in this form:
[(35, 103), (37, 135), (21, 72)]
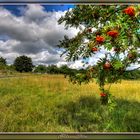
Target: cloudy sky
[(33, 30)]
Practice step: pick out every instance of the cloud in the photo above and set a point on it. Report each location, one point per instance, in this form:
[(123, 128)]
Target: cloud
[(77, 65), (133, 66), (6, 46), (35, 33), (47, 58), (34, 13)]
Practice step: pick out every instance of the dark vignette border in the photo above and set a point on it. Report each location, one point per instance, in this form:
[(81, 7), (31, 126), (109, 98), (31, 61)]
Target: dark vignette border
[(69, 135), (69, 1)]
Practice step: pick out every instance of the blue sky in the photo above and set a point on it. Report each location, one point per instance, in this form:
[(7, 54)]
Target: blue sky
[(15, 9)]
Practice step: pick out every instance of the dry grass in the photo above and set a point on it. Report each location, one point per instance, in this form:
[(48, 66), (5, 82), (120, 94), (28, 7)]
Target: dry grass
[(51, 103)]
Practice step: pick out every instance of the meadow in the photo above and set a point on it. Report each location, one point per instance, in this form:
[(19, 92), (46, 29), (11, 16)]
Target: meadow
[(50, 103)]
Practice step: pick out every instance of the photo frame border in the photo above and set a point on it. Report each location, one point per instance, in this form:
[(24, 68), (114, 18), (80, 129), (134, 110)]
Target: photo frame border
[(69, 135)]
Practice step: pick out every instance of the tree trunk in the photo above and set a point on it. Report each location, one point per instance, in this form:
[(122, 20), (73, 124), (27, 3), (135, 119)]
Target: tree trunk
[(104, 100)]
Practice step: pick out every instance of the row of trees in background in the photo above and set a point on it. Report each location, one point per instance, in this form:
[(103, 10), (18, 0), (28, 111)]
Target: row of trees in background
[(24, 64), (21, 64), (53, 69)]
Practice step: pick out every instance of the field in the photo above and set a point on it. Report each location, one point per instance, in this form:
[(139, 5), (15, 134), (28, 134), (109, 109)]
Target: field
[(49, 103)]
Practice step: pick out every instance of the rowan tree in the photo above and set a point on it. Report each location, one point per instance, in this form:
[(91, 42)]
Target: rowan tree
[(112, 28)]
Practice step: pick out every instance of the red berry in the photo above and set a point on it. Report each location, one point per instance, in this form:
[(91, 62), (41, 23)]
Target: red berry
[(100, 39), (94, 49), (103, 94), (107, 65), (130, 56), (113, 33), (129, 11)]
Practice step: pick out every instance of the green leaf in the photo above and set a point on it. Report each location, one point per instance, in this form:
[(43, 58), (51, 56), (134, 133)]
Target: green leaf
[(117, 64)]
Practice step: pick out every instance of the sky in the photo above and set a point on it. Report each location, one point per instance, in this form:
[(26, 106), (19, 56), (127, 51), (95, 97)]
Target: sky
[(33, 30)]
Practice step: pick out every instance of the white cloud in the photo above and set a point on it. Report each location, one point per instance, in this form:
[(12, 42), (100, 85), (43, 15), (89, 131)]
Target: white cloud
[(77, 65), (36, 34)]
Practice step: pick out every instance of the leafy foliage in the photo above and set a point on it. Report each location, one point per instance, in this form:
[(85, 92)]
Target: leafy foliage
[(2, 61), (23, 64), (40, 69), (117, 31)]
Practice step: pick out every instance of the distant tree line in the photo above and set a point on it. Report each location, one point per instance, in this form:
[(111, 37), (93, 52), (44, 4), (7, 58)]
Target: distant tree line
[(53, 69), (25, 64)]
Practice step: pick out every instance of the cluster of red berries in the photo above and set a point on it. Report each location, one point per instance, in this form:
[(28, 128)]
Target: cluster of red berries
[(107, 65), (103, 94), (94, 49), (130, 11), (112, 33), (100, 39)]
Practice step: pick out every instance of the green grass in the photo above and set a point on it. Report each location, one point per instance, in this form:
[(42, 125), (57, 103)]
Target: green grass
[(49, 103)]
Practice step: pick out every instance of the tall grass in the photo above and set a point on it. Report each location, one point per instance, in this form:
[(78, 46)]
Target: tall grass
[(49, 103)]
